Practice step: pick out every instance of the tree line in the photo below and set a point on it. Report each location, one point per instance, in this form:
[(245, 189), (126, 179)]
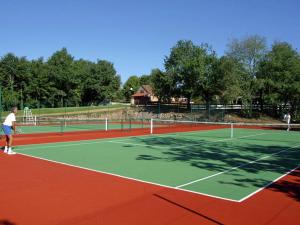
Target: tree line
[(59, 81), (248, 73)]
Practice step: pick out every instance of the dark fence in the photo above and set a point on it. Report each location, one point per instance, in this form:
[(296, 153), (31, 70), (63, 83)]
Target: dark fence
[(217, 112)]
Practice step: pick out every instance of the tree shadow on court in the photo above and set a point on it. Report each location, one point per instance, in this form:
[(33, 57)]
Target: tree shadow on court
[(147, 157), (290, 188), (249, 164), (6, 222)]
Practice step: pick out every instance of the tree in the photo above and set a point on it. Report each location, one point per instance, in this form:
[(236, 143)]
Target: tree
[(145, 80), (131, 85), (209, 82), (162, 85), (39, 89), (185, 64), (279, 75), (83, 71), (233, 79), (248, 51), (15, 77), (102, 84), (60, 71)]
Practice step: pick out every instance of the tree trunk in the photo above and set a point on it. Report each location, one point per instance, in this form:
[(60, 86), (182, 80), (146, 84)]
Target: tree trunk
[(189, 103)]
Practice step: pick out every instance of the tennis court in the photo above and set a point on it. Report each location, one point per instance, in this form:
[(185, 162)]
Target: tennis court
[(221, 163)]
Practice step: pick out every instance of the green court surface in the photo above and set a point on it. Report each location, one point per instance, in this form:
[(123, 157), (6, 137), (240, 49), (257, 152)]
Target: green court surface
[(61, 127), (206, 162)]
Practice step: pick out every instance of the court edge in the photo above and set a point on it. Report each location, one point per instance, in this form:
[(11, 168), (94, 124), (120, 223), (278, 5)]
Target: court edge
[(161, 185)]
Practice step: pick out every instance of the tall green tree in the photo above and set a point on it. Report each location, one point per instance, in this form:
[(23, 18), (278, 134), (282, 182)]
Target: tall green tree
[(279, 74), (186, 63), (102, 84), (209, 83), (15, 76), (83, 71), (162, 85), (40, 88), (234, 80), (131, 85), (145, 80), (248, 51), (61, 72)]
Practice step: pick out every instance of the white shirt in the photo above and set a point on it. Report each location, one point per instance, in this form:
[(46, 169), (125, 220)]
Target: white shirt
[(10, 119), (288, 118)]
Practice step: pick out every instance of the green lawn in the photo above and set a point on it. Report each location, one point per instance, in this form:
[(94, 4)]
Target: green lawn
[(71, 110)]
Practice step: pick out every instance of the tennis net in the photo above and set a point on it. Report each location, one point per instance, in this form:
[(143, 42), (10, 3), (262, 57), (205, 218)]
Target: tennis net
[(46, 125), (228, 130)]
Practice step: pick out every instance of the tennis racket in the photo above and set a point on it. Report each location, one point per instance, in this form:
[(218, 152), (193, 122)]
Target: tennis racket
[(19, 131)]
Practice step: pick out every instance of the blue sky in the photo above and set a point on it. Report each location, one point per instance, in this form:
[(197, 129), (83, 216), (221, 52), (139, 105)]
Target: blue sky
[(137, 35)]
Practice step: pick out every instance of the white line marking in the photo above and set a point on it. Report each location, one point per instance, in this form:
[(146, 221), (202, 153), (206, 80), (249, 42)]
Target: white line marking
[(127, 178), (88, 142), (234, 168), (146, 137), (183, 146), (267, 185), (134, 144)]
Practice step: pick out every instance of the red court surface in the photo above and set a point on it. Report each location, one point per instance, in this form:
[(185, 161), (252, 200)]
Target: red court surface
[(38, 192)]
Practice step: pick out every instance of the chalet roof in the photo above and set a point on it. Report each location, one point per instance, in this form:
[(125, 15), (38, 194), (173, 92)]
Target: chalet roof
[(144, 90), (139, 94), (148, 89)]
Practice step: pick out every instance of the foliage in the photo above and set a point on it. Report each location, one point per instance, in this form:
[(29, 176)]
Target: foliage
[(60, 81), (131, 86), (185, 65), (162, 84), (279, 76), (249, 52), (247, 74)]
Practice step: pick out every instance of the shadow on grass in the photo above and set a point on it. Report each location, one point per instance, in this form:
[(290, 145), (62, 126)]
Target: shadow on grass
[(240, 159)]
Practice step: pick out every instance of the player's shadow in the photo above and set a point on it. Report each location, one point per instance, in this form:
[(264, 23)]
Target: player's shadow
[(6, 222)]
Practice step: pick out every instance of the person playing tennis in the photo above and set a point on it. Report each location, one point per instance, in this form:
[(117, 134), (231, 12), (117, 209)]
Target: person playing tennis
[(8, 125), (287, 118)]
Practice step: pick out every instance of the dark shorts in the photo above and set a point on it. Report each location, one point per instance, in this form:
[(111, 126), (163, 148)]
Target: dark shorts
[(6, 129)]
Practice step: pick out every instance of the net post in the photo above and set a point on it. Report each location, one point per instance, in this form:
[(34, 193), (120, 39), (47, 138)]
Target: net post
[(151, 126), (231, 130), (61, 127), (34, 120), (106, 124)]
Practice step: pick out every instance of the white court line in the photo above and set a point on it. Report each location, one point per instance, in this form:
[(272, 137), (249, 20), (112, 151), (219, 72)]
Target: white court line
[(234, 168), (184, 146), (87, 142), (128, 178), (267, 185), (134, 144)]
